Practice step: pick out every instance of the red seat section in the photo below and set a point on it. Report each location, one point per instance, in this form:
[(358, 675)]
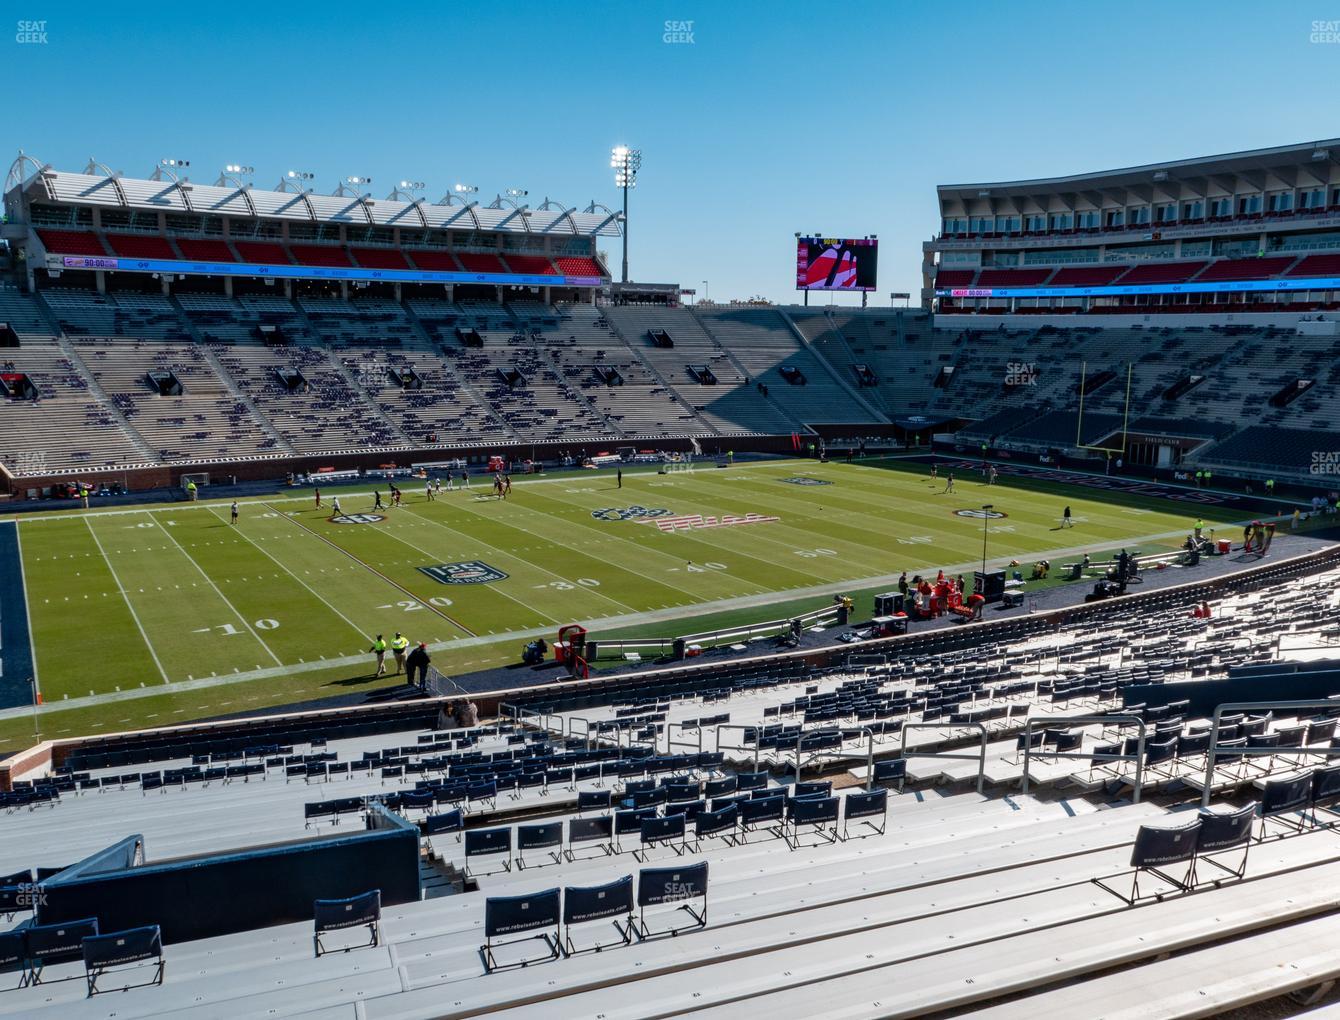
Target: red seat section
[(263, 252), (72, 242), (320, 255), (205, 251), (1014, 277), (531, 265), (141, 246), (1246, 269), (379, 258), (1317, 265), (1163, 272), (570, 266), (955, 277), (1086, 276), (435, 261), (474, 262)]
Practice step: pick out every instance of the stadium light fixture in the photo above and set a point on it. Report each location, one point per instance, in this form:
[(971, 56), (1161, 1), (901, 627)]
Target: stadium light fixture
[(357, 181), (1321, 155), (238, 168), (625, 163), (300, 175), (465, 189), (175, 164), (516, 193)]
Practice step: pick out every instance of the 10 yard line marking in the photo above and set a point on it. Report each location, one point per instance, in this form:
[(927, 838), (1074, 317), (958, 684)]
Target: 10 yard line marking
[(220, 594), (133, 615), (295, 577)]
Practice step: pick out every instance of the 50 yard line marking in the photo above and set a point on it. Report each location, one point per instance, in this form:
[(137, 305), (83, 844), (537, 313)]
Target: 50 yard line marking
[(210, 581), (125, 595)]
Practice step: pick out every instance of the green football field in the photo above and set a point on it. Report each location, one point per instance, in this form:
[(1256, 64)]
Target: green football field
[(187, 616)]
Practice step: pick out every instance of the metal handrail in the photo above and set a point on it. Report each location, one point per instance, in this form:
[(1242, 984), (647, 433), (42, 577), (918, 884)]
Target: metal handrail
[(670, 745), (1257, 706), (741, 747), (567, 732), (1084, 720), (870, 759), (980, 756)]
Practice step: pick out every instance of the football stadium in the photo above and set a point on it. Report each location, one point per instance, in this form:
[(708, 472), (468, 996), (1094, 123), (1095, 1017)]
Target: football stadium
[(833, 650)]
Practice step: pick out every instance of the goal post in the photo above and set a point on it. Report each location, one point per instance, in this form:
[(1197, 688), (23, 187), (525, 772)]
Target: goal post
[(1125, 414)]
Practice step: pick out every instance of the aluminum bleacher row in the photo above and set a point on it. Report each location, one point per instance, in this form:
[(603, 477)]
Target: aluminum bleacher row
[(961, 900), (545, 835), (545, 374)]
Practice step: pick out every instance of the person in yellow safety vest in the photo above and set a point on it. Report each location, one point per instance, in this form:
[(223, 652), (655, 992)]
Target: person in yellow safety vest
[(1200, 526), (398, 645), (379, 649), (191, 491)]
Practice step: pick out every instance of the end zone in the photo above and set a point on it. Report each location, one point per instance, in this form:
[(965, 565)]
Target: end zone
[(17, 668)]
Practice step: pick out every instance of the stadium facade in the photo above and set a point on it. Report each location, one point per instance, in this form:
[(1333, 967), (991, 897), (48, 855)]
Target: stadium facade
[(1255, 231), (154, 328)]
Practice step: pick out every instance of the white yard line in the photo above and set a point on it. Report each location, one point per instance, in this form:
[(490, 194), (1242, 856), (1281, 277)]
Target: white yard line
[(504, 552), (461, 644), (210, 581), (125, 595), (646, 551), (519, 602), (295, 577)]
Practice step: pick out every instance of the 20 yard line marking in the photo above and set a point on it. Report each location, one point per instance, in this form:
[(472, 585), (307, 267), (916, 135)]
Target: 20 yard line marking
[(217, 591), (125, 595)]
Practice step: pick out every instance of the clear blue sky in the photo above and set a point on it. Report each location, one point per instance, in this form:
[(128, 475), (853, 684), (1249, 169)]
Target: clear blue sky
[(778, 117)]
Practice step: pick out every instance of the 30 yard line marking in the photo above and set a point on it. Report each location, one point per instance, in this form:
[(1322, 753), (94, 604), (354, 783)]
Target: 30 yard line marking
[(121, 588), (217, 591), (295, 577)]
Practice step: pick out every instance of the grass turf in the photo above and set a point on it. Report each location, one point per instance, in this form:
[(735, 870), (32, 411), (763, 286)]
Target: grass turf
[(283, 607)]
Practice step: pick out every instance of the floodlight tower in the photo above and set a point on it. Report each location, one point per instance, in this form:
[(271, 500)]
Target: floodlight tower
[(626, 163)]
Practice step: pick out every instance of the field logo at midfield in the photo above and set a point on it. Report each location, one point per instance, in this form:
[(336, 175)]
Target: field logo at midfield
[(357, 519), (977, 515), (631, 513), (469, 572), (805, 480)]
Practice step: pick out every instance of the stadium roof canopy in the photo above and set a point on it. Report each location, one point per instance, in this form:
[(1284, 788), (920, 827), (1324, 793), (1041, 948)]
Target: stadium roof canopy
[(100, 186), (1284, 160)]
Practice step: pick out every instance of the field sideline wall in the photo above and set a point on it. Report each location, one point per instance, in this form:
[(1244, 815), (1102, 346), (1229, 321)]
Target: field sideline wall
[(167, 476)]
